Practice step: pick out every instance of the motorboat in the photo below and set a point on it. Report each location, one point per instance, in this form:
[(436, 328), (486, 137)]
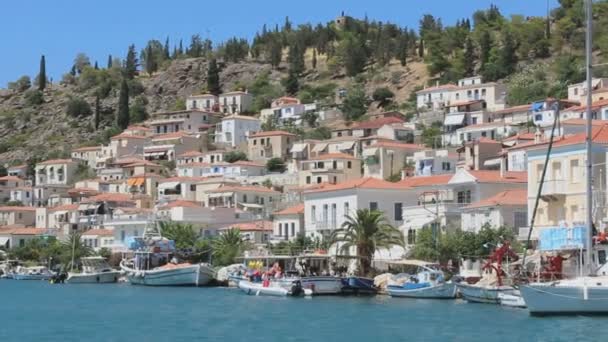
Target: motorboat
[(95, 270), (513, 299), (427, 282), (270, 288), (33, 273), (358, 285), (8, 268), (169, 274), (581, 295)]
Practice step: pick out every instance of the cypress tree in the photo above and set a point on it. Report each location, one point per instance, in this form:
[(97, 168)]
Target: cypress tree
[(109, 61), (403, 47), (122, 117), (276, 52), (485, 44), (314, 58), (292, 85), (469, 58), (180, 51), (73, 70), (42, 74), (97, 112), (151, 65), (421, 48), (213, 78), (166, 49), (131, 63), (96, 66)]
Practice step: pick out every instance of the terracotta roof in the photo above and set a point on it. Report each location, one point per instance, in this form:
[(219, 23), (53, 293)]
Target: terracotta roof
[(56, 161), (296, 209), (508, 197), (245, 163), (239, 117), (128, 136), (21, 231), (16, 208), (270, 134), (583, 122), (599, 135), (99, 232), (448, 86), (360, 183), (202, 95), (464, 103), (181, 204), (521, 136), (248, 188), (191, 154), (110, 197), (254, 226), (595, 105), (138, 128), (10, 178), (82, 190), (65, 207), (426, 180), (328, 156), (396, 144), (491, 176), (377, 123), (87, 149), (514, 109), (183, 179), (197, 164)]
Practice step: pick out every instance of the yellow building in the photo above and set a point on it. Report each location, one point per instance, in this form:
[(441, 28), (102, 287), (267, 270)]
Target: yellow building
[(269, 144)]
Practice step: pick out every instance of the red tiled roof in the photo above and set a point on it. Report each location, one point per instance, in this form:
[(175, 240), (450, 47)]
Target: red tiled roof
[(521, 136), (426, 180), (595, 105), (181, 204), (193, 164), (183, 179), (99, 232), (10, 178), (254, 226), (491, 176), (248, 188), (55, 161), (110, 197), (508, 197), (191, 154), (16, 208), (173, 135), (396, 144), (270, 134), (138, 128), (377, 123), (65, 207), (360, 183), (239, 117), (599, 135), (464, 103), (439, 87), (246, 163), (21, 231), (296, 209), (582, 122)]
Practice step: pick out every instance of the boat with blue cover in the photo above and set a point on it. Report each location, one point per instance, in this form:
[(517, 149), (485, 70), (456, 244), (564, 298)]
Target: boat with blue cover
[(426, 281)]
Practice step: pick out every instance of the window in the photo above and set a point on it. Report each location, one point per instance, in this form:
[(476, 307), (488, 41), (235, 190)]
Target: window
[(464, 197), (192, 187), (373, 205), (255, 142), (280, 229), (474, 120), (245, 198), (469, 137), (325, 213), (346, 209), (313, 214), (575, 171), (349, 164), (398, 211), (307, 179), (483, 92), (538, 117), (122, 235), (445, 166), (333, 215), (539, 172), (411, 236), (334, 164), (575, 91), (262, 142), (319, 180), (484, 134), (293, 229)]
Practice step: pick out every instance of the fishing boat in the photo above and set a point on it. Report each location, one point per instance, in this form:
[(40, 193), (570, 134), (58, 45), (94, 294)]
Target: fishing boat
[(588, 292), (358, 285), (95, 270), (145, 269), (33, 273), (8, 268), (493, 282), (427, 281), (513, 299), (270, 288)]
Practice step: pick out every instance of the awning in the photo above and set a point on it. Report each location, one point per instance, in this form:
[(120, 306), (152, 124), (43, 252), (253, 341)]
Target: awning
[(347, 145), (221, 194), (3, 241), (168, 185), (138, 181), (90, 206), (155, 154), (297, 148), (319, 147), (368, 152), (454, 119), (252, 205), (492, 162)]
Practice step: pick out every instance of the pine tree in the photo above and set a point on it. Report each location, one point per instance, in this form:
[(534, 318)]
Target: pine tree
[(131, 63), (354, 56), (151, 65), (403, 49), (109, 61), (421, 48), (469, 58), (296, 58), (287, 26), (213, 78), (276, 53), (508, 59), (97, 112), (314, 58), (166, 49), (180, 51), (292, 85), (42, 74), (73, 70), (122, 117), (485, 44)]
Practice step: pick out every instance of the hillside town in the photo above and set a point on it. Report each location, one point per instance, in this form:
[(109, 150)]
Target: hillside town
[(213, 166)]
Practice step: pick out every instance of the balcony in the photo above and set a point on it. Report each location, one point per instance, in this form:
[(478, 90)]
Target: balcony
[(554, 187)]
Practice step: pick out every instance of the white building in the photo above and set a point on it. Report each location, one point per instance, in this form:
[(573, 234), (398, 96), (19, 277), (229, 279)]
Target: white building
[(234, 129), (434, 162), (505, 209), (235, 102), (288, 223), (434, 98), (56, 172), (228, 170), (205, 102)]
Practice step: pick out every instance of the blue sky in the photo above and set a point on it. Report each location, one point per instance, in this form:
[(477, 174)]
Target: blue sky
[(60, 29)]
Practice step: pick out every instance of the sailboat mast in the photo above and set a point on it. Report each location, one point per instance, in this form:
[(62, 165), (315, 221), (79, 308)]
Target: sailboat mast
[(589, 142)]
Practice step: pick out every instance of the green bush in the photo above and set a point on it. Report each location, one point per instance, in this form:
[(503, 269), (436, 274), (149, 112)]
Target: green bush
[(383, 95), (234, 156), (276, 165), (21, 84), (34, 97), (77, 107)]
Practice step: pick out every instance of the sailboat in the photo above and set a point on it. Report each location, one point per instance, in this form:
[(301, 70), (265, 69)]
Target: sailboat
[(586, 293)]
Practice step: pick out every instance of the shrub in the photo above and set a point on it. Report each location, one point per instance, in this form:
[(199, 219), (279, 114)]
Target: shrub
[(135, 88), (276, 165), (77, 107), (20, 85), (33, 97), (234, 156), (383, 95)]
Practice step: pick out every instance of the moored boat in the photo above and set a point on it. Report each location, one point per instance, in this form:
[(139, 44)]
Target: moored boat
[(427, 282), (95, 270), (33, 273), (513, 299), (270, 288), (358, 285), (180, 274), (488, 294)]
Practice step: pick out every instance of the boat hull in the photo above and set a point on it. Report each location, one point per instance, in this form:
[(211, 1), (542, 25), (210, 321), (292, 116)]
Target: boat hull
[(322, 285), (514, 300), (443, 291), (258, 289), (17, 276), (93, 278), (194, 275), (358, 285), (542, 299), (487, 295)]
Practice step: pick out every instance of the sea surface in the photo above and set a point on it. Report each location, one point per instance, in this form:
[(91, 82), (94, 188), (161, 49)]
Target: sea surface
[(38, 311)]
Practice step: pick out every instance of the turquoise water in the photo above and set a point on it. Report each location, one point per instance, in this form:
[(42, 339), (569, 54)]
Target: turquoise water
[(38, 311)]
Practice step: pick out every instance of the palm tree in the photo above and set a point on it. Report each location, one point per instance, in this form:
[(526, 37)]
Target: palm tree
[(369, 232), (227, 247), (182, 234), (73, 249)]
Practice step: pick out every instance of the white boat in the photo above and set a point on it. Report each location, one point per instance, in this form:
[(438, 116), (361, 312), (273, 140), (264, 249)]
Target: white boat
[(170, 274), (322, 285), (513, 299), (95, 270), (428, 282), (483, 293), (33, 273), (273, 289)]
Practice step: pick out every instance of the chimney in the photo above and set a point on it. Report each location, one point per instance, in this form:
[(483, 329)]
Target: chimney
[(503, 166)]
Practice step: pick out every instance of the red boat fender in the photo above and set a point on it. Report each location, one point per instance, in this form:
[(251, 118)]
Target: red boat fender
[(266, 283)]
